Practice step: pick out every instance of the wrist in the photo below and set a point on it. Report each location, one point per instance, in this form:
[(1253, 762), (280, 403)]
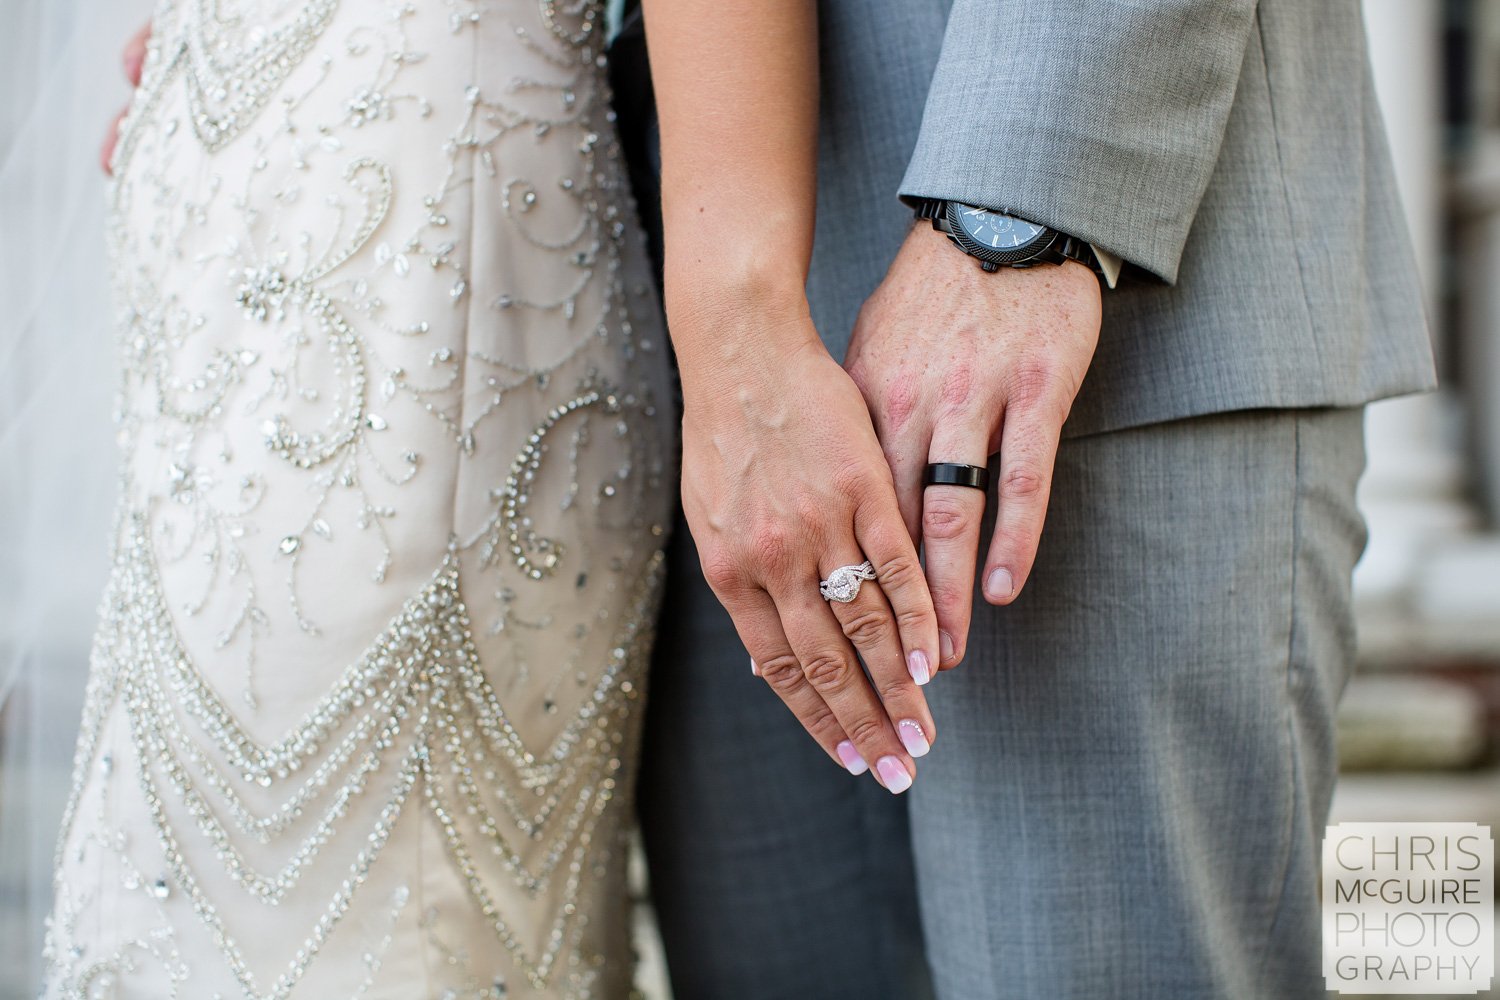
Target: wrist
[(737, 355), (733, 321), (705, 287), (761, 269), (942, 256), (998, 239)]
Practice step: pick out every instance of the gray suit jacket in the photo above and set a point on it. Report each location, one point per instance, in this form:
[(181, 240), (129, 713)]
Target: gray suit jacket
[(1230, 151)]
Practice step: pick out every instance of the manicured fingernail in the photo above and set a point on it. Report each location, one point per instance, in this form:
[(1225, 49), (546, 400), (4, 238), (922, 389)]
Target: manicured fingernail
[(893, 775), (913, 738), (755, 668), (1000, 585), (945, 645), (851, 758), (916, 662)]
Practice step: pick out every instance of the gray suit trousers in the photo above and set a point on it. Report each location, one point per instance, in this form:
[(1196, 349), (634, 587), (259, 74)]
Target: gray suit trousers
[(1132, 769)]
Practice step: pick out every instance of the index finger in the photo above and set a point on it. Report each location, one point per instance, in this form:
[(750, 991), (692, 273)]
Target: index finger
[(952, 517), (1028, 453)]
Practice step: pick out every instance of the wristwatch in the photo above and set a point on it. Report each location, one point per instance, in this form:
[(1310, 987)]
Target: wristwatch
[(997, 239)]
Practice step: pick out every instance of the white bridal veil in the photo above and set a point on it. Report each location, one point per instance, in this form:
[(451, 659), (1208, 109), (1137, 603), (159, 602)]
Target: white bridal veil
[(60, 82)]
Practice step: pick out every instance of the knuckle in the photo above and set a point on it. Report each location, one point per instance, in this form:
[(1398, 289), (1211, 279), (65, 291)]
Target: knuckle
[(900, 403), (958, 386), (943, 517), (827, 671), (866, 627), (1032, 382), (1042, 389), (894, 691), (782, 671), (913, 621), (851, 479), (723, 573), (810, 510), (770, 547), (899, 572), (952, 596), (819, 721), (1014, 546), (1022, 482), (865, 731)]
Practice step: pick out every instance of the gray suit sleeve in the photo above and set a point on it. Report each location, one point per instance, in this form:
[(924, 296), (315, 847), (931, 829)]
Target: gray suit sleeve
[(1100, 118)]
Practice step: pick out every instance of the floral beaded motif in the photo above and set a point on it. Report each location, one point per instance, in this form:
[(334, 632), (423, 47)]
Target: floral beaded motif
[(397, 464)]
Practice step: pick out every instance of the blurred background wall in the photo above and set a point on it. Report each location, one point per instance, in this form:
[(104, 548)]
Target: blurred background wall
[(1418, 733), (1417, 736)]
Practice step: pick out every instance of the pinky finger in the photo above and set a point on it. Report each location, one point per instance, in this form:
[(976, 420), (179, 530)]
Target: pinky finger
[(772, 659)]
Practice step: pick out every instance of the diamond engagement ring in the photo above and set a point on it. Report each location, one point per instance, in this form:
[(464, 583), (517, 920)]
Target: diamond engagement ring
[(843, 583)]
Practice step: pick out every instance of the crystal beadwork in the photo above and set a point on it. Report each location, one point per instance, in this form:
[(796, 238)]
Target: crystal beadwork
[(397, 469)]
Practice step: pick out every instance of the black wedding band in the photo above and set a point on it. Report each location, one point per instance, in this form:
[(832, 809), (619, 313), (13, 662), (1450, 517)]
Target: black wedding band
[(954, 474)]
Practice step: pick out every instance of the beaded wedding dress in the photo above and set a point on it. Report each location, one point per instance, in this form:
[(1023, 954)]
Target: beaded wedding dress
[(398, 461)]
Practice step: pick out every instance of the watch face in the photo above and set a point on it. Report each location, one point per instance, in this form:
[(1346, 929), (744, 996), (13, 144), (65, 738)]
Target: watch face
[(999, 232)]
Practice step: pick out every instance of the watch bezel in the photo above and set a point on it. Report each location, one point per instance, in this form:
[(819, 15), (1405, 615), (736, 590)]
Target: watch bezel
[(1025, 253)]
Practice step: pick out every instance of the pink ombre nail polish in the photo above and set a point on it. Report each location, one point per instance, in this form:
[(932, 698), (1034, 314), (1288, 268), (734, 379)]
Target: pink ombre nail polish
[(893, 774), (851, 758), (916, 662), (913, 738)]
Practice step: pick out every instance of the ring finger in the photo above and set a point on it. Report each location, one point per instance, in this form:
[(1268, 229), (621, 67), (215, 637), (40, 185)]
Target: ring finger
[(868, 623), (952, 517)]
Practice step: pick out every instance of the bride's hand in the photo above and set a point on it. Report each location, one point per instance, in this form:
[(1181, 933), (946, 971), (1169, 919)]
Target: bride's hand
[(783, 482), (132, 59)]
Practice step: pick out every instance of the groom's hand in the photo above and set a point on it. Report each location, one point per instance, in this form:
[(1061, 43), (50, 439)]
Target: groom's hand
[(957, 364)]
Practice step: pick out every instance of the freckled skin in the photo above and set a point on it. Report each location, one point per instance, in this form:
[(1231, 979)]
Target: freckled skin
[(901, 401), (957, 383), (958, 364)]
